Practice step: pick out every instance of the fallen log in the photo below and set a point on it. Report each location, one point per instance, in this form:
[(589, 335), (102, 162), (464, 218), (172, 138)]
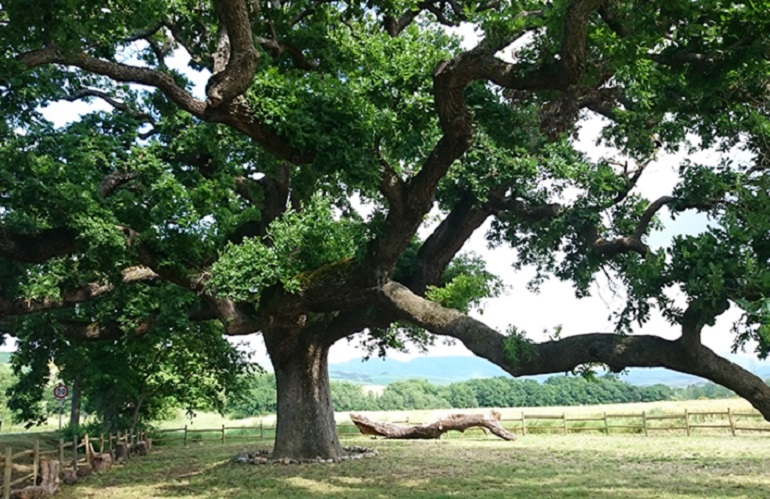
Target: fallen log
[(452, 422)]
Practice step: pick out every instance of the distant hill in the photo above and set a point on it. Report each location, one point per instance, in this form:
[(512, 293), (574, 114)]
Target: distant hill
[(437, 370), (445, 370)]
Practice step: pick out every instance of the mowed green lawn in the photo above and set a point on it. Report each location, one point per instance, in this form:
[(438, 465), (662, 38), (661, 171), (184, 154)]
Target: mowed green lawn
[(536, 466)]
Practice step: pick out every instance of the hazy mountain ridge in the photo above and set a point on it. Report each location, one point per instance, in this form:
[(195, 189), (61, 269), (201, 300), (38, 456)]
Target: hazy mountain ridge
[(445, 370)]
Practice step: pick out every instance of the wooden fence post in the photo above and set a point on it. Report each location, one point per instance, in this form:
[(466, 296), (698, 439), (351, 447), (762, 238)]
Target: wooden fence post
[(606, 425), (36, 462), (109, 441), (564, 418), (87, 448), (523, 424), (261, 430), (75, 453), (7, 473), (644, 422), (101, 442), (61, 452), (687, 422), (731, 418), (223, 434), (185, 435)]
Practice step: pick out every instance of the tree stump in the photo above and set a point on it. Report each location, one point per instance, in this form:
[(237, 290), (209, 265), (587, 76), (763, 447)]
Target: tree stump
[(456, 422), (70, 477), (142, 448), (100, 461), (49, 482), (49, 475), (121, 452)]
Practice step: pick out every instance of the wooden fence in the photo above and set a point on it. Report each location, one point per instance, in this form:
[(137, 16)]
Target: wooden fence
[(644, 422), (607, 423), (21, 468)]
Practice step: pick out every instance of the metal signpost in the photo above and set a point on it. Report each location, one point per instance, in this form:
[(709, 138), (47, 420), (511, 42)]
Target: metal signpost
[(61, 391)]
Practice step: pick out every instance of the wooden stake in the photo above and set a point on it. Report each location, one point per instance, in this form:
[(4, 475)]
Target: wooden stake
[(87, 448), (7, 473), (36, 462)]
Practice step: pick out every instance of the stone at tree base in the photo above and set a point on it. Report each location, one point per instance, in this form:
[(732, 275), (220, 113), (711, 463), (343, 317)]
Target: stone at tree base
[(262, 456)]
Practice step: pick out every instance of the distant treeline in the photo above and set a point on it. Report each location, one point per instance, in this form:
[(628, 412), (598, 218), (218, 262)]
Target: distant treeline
[(487, 392)]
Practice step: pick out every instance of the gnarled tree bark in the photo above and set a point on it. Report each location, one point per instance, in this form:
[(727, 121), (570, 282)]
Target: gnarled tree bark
[(305, 426), (452, 422)]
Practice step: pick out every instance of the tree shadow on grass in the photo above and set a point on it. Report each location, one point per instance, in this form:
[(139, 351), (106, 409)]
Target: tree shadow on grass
[(527, 473), (442, 469)]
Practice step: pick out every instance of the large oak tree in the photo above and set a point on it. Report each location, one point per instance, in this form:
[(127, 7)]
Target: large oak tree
[(285, 199)]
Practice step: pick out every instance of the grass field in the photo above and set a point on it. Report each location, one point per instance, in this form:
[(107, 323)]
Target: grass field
[(476, 466), (665, 465)]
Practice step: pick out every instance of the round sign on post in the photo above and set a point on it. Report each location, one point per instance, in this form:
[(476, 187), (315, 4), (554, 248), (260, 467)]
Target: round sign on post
[(60, 391)]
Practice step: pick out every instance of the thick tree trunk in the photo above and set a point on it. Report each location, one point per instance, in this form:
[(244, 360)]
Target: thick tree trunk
[(305, 427), (135, 413), (453, 422)]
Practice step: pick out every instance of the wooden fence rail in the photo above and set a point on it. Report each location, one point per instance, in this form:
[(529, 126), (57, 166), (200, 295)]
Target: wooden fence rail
[(641, 422), (8, 457)]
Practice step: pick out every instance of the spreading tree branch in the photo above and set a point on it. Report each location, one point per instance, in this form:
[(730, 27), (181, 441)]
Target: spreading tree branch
[(236, 47), (114, 180), (523, 358), (37, 248), (447, 239), (237, 115), (450, 79), (72, 297), (120, 106)]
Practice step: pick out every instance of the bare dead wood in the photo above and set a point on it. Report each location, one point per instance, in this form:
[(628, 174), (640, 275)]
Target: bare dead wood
[(452, 422), (49, 475), (100, 461), (49, 482)]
